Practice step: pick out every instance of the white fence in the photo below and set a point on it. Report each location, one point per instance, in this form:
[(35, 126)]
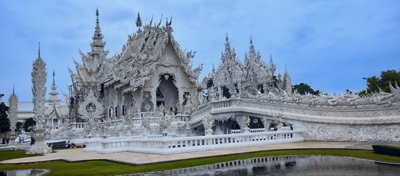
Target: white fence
[(192, 144)]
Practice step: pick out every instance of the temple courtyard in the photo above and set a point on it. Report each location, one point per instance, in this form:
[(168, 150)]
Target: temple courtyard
[(132, 158)]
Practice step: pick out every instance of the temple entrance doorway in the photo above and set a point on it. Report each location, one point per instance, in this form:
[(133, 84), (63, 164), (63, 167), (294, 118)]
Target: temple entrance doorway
[(167, 93)]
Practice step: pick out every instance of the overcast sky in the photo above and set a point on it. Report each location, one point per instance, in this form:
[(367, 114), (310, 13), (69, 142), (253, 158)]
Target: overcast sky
[(329, 45)]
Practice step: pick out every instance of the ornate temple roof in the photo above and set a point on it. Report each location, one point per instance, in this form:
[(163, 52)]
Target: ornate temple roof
[(137, 60)]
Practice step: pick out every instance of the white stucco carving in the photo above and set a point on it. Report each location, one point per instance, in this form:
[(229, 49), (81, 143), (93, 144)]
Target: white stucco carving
[(150, 90), (39, 94), (12, 112), (39, 90), (91, 109)]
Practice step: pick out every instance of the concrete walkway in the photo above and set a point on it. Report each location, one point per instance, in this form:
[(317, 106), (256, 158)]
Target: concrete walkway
[(73, 155)]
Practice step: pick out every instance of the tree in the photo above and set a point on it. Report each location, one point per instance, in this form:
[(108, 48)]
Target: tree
[(302, 88), (18, 125), (375, 83), (28, 123), (4, 121)]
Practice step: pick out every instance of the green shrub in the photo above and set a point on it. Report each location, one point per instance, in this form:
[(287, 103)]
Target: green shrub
[(386, 150)]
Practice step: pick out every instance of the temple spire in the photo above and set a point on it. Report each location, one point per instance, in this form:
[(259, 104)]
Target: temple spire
[(54, 82), (97, 17), (97, 32), (98, 44), (53, 94), (285, 69), (138, 21), (39, 50)]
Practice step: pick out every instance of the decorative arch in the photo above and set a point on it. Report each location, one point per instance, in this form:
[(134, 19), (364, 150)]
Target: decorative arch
[(169, 90)]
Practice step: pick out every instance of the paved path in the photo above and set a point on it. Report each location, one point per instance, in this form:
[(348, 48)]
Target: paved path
[(73, 155)]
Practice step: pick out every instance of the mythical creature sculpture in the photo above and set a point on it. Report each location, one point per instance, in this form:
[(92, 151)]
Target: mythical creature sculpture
[(146, 123), (165, 120), (246, 121), (351, 98), (381, 98), (196, 72), (208, 121), (189, 56)]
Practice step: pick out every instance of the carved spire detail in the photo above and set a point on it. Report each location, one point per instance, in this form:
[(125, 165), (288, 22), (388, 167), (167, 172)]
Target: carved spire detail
[(39, 50), (98, 44), (12, 111), (287, 82), (53, 94), (138, 21), (39, 78)]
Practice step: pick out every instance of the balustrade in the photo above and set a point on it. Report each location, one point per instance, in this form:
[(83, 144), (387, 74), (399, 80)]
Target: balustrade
[(78, 125), (189, 144), (257, 130)]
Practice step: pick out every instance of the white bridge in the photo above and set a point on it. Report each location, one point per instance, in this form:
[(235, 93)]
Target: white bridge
[(321, 123), (372, 122)]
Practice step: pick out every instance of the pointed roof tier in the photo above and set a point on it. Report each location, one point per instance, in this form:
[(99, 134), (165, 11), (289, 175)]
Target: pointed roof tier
[(98, 44), (231, 70), (257, 71), (143, 53), (53, 94), (93, 60), (287, 82), (138, 59)]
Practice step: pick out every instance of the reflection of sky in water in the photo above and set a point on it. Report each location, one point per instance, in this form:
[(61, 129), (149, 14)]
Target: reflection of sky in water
[(292, 165), (24, 172), (296, 165)]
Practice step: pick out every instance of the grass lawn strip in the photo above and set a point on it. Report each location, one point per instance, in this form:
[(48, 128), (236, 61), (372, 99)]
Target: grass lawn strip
[(100, 167)]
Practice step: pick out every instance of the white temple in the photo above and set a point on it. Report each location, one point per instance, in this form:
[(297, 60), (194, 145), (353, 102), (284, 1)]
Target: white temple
[(148, 99)]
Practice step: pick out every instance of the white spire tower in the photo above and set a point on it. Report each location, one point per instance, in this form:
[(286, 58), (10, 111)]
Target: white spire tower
[(53, 94)]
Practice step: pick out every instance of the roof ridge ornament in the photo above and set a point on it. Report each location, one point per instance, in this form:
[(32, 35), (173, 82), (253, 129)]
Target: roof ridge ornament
[(39, 50), (138, 21), (151, 21), (97, 16), (159, 24)]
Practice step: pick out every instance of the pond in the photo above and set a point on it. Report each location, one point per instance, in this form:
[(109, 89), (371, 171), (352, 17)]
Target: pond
[(293, 165), (24, 172)]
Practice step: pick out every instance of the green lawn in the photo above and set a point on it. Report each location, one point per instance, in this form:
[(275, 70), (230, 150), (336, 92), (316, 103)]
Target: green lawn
[(109, 168), (6, 155)]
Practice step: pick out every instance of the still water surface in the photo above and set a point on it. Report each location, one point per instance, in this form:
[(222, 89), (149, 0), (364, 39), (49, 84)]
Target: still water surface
[(295, 165), (24, 172)]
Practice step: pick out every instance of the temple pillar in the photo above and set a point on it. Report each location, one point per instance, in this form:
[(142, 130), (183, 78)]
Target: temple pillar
[(114, 103), (154, 99), (123, 111), (220, 95)]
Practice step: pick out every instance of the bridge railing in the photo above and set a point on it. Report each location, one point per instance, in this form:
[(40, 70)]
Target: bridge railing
[(257, 130), (191, 144), (78, 125), (316, 110)]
